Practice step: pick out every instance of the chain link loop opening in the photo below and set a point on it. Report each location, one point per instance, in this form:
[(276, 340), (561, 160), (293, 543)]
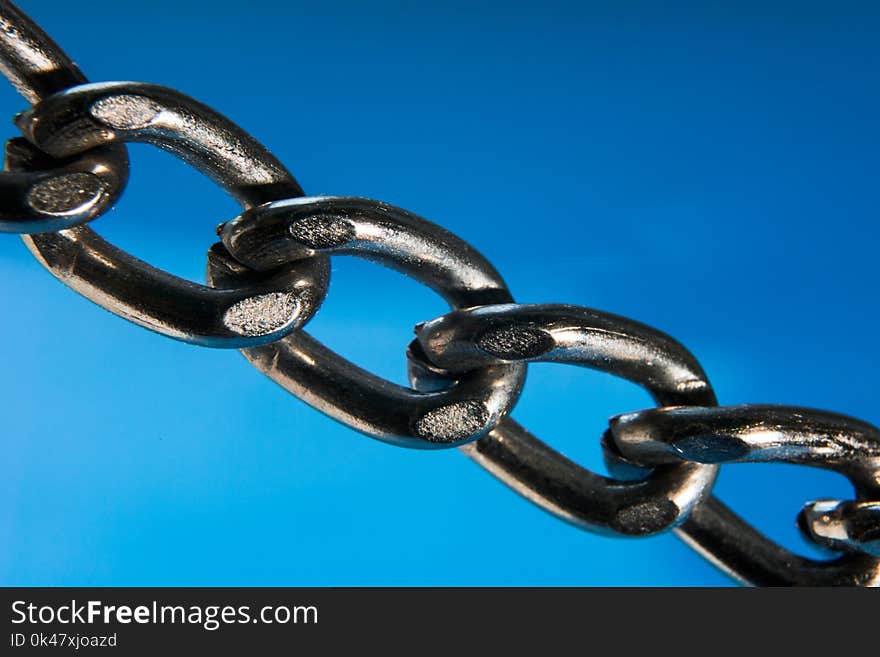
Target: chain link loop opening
[(269, 275)]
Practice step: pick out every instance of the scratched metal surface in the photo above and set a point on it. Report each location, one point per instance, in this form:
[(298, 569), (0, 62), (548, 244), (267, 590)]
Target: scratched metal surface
[(706, 173)]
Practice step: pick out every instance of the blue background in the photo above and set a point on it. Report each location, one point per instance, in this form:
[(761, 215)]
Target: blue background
[(707, 168)]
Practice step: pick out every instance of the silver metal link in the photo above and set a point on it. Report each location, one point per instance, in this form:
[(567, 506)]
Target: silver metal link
[(497, 334), (843, 526), (54, 194), (735, 547), (764, 433), (98, 114), (275, 234), (262, 309), (269, 275), (32, 62)]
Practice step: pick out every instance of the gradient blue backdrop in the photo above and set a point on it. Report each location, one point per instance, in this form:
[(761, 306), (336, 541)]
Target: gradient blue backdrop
[(707, 168)]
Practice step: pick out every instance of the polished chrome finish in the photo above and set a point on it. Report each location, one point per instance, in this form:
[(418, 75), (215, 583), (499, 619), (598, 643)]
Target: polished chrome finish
[(753, 433), (764, 433), (271, 235), (57, 194), (275, 234), (465, 339), (270, 273), (734, 546), (843, 526), (476, 337), (29, 58), (43, 194), (92, 116)]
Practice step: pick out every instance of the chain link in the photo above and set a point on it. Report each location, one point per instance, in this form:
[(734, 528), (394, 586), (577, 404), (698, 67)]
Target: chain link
[(50, 194), (659, 499), (781, 434), (275, 234), (261, 308), (269, 274)]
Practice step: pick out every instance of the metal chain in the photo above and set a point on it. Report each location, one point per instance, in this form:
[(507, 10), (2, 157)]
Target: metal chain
[(269, 274)]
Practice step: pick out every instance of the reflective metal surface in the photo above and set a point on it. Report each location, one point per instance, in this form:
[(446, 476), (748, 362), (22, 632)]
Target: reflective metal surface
[(660, 499), (261, 309), (843, 526), (91, 115), (274, 234), (760, 433), (270, 275), (60, 194)]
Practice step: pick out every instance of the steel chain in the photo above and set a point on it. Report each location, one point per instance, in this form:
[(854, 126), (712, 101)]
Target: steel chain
[(269, 274)]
